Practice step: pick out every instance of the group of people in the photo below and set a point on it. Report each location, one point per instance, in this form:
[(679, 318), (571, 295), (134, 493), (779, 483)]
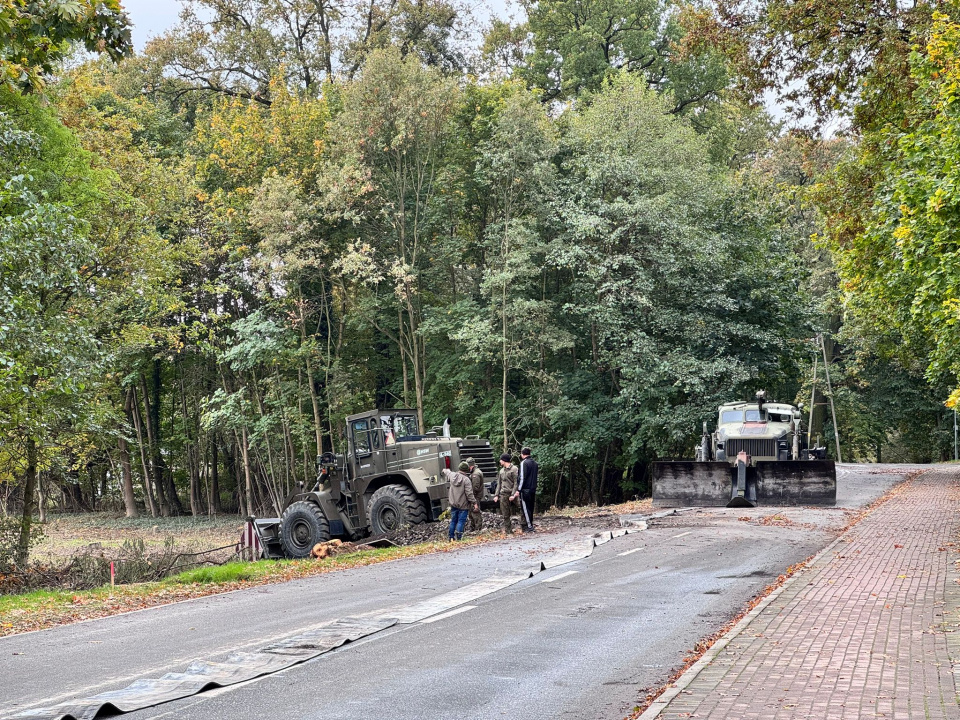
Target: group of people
[(516, 489)]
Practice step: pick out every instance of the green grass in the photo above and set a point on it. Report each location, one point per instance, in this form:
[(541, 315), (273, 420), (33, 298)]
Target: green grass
[(31, 599), (230, 572)]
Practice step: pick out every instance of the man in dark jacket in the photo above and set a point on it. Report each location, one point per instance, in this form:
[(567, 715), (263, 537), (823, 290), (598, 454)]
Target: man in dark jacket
[(527, 488), (461, 499)]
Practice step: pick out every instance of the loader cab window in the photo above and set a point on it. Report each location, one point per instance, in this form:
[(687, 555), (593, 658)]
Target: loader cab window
[(361, 438), (386, 425), (397, 428), (405, 427), (731, 416)]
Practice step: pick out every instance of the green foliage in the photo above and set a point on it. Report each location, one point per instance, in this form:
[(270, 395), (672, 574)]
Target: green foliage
[(825, 57), (236, 48), (685, 296), (895, 246), (585, 250), (49, 354), (578, 45), (36, 34)]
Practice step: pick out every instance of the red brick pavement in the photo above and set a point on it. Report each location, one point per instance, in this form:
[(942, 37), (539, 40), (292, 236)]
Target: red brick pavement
[(866, 631)]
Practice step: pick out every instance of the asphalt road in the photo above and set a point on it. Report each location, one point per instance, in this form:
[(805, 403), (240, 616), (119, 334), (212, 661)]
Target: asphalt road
[(584, 640)]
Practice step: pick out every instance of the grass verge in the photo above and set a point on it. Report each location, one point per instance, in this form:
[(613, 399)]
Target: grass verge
[(45, 608)]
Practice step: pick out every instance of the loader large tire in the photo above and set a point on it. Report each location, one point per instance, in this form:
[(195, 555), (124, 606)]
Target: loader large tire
[(302, 526), (394, 506)]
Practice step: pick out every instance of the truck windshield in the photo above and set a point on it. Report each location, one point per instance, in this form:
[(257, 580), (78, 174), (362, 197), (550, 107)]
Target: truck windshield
[(731, 416), (754, 416)]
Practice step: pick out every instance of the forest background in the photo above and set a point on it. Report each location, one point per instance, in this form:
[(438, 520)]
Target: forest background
[(580, 231)]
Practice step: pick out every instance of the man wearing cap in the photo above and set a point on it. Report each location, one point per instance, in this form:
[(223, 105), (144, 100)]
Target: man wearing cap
[(527, 488), (506, 490), (461, 499), (476, 480)]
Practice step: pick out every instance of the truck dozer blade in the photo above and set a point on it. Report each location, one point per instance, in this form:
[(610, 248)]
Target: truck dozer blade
[(797, 482), (717, 484)]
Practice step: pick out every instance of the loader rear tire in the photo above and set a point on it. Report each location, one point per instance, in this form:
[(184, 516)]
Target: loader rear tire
[(394, 506), (302, 526)]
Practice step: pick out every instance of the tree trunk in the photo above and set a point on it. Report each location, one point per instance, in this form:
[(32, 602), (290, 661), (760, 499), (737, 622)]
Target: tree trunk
[(193, 456), (155, 457), (248, 481), (214, 504), (313, 390), (403, 361), (129, 502), (26, 521), (163, 475), (134, 416), (41, 500)]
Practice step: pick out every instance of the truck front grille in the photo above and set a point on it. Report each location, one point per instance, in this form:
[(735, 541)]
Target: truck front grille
[(753, 448)]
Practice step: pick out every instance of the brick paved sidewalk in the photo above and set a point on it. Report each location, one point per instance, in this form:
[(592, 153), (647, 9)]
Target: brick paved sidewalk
[(867, 631)]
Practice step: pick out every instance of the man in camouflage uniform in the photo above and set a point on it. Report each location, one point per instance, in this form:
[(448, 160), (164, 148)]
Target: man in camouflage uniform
[(476, 479), (506, 488)]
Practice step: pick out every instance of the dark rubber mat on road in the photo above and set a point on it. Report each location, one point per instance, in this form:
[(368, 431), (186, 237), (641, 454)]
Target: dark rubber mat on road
[(242, 666), (238, 667)]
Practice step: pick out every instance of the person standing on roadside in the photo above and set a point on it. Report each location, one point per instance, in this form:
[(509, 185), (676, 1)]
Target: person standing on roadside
[(461, 499), (527, 488), (506, 490), (476, 481)]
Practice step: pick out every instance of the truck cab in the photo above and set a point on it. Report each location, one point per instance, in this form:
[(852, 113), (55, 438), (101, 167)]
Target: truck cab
[(765, 431)]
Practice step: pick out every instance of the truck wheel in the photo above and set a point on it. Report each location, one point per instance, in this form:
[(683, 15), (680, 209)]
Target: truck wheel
[(302, 526), (394, 506)]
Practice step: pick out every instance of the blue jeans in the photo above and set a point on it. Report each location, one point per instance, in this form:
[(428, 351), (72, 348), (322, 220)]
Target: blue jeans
[(458, 518)]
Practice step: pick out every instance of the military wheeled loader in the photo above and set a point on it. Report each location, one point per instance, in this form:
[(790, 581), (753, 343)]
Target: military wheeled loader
[(757, 454), (390, 476)]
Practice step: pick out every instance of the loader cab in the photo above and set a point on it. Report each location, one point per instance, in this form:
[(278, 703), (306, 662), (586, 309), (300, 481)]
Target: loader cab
[(375, 438)]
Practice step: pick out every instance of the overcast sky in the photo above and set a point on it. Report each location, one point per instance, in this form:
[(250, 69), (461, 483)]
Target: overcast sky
[(151, 17)]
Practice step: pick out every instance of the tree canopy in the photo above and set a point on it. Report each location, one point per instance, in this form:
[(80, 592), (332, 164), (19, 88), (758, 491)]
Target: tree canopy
[(581, 232)]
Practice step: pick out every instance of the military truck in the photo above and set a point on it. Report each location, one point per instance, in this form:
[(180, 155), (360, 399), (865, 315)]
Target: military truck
[(390, 476), (758, 452)]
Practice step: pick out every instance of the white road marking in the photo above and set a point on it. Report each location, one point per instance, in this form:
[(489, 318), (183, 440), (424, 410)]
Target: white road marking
[(630, 552), (681, 534), (560, 576), (444, 616)]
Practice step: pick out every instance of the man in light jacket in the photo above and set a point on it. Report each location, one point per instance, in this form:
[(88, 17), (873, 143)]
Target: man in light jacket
[(461, 499)]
